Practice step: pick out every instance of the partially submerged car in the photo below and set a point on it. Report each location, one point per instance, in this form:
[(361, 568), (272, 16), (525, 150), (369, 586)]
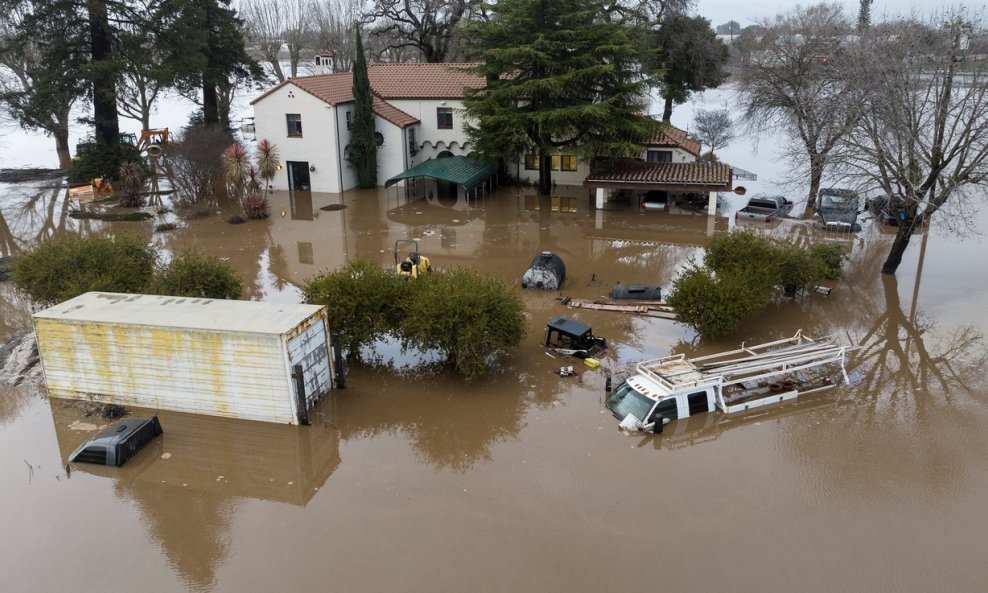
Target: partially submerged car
[(764, 208), (655, 200), (838, 209)]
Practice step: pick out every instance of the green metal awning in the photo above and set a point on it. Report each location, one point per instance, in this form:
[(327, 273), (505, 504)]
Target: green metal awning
[(461, 170)]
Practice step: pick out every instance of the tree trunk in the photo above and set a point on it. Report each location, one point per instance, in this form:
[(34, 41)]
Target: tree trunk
[(276, 66), (62, 147), (667, 110), (103, 75), (210, 103), (898, 247), (817, 163), (545, 173)]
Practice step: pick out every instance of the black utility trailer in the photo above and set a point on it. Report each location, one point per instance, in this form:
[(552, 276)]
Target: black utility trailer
[(572, 337)]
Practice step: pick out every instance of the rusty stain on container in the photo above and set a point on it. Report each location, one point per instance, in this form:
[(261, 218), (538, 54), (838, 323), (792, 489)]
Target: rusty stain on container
[(231, 359)]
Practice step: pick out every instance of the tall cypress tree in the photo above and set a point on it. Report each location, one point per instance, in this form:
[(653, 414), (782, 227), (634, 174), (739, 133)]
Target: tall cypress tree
[(363, 145)]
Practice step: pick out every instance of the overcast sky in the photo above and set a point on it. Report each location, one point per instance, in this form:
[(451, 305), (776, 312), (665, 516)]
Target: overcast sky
[(747, 12)]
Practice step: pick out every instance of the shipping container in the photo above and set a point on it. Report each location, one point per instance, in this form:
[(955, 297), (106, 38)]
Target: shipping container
[(203, 356)]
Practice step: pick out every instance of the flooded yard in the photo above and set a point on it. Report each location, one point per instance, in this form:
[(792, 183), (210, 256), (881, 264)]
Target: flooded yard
[(410, 480)]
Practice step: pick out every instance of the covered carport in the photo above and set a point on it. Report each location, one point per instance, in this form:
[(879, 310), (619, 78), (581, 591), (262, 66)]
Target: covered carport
[(638, 178), (466, 173)]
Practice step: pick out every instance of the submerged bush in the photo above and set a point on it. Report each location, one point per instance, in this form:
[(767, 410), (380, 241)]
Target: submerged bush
[(363, 300), (740, 276), (469, 317), (255, 207), (830, 257), (466, 316), (716, 304), (193, 274), (60, 269)]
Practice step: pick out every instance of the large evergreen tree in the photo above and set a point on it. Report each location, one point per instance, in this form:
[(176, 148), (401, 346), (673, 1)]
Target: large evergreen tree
[(561, 74), (205, 43), (363, 144), (37, 96), (690, 59)]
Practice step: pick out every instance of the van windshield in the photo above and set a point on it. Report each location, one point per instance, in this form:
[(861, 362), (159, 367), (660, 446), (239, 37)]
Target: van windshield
[(624, 400)]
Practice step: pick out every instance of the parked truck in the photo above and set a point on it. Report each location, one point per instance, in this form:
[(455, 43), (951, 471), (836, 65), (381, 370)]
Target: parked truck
[(673, 387), (838, 209), (764, 208)]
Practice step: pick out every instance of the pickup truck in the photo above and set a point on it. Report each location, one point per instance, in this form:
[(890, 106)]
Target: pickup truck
[(764, 208), (666, 389), (838, 209)]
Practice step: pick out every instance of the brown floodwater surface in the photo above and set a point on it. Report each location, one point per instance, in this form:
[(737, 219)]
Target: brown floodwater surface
[(414, 480)]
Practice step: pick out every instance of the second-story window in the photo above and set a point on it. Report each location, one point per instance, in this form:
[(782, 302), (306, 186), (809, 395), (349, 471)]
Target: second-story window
[(349, 119), (413, 147), (294, 121), (444, 118)]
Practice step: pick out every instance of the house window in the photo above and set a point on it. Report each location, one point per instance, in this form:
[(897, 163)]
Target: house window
[(531, 162), (555, 162), (659, 156), (294, 121), (444, 118), (305, 253), (568, 162), (349, 119), (413, 148)]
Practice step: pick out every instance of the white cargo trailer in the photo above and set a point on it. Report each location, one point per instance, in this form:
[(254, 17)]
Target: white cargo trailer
[(205, 356)]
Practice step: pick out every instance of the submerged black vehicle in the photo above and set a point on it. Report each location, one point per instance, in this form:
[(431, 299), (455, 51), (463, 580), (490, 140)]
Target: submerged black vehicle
[(572, 337), (115, 445), (838, 209)]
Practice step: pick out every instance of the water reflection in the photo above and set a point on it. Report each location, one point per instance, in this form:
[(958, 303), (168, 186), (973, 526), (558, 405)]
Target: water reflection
[(453, 427), (189, 484)]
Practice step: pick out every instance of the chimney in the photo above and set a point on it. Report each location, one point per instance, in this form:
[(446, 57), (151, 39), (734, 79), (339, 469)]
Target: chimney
[(325, 63)]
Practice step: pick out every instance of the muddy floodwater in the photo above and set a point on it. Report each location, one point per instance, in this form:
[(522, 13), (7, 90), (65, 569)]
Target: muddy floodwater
[(416, 481)]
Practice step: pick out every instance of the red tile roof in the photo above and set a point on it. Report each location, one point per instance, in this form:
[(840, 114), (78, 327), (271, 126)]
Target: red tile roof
[(422, 81), (673, 136), (393, 114), (390, 81), (717, 175)]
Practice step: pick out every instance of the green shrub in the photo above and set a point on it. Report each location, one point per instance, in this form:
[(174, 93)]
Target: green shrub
[(59, 269), (364, 301), (193, 274), (738, 249), (740, 274), (468, 317), (796, 268), (716, 304), (830, 257)]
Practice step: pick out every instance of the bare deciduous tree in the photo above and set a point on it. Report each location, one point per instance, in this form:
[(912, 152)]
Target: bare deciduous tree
[(713, 128), (794, 83), (923, 134), (429, 26), (271, 24), (335, 23)]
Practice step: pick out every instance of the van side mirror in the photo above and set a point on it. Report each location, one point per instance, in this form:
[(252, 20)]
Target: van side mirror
[(658, 420)]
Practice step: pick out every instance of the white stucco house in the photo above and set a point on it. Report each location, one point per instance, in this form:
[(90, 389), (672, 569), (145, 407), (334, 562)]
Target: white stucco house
[(417, 117)]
